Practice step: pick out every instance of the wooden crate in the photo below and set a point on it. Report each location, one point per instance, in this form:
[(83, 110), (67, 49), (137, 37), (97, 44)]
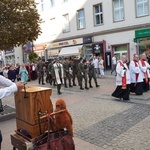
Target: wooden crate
[(27, 109), (20, 142)]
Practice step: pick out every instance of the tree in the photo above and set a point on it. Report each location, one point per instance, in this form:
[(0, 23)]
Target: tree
[(19, 23), (33, 56)]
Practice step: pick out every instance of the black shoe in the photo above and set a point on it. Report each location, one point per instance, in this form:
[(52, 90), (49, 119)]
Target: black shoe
[(59, 93), (43, 83), (126, 99), (70, 86), (74, 85), (66, 86), (81, 88), (91, 86), (97, 85), (86, 88)]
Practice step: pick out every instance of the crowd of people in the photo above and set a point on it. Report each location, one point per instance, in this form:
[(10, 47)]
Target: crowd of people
[(20, 72), (71, 71), (67, 71), (132, 76)]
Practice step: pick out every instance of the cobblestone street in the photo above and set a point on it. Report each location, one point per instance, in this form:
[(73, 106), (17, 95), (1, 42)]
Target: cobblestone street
[(101, 122)]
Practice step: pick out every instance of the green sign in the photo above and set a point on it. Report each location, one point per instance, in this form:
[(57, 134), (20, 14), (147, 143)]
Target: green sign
[(142, 33)]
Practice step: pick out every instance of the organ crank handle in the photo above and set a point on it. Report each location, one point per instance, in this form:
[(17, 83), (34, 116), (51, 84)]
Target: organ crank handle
[(52, 114)]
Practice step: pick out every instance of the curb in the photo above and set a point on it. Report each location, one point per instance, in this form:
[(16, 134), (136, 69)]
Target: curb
[(8, 113)]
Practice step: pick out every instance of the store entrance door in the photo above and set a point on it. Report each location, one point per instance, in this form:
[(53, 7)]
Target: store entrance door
[(120, 53), (108, 60)]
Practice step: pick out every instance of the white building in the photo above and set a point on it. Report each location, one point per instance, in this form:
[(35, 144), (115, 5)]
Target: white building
[(100, 27), (13, 56)]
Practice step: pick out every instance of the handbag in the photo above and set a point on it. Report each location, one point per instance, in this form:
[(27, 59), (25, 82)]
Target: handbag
[(57, 140)]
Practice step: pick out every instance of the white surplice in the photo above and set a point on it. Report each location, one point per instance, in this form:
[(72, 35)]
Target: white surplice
[(144, 69), (58, 75), (121, 72), (133, 71)]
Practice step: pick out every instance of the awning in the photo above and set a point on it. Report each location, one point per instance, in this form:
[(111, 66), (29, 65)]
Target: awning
[(70, 51)]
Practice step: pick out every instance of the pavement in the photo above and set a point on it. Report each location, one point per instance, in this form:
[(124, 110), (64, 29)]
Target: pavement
[(101, 122)]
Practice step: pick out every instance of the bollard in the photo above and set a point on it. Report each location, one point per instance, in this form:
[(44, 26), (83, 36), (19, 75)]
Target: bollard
[(1, 106)]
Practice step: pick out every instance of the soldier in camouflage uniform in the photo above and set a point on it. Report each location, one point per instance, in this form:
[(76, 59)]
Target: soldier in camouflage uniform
[(92, 74), (80, 74), (67, 74), (50, 68), (84, 70), (74, 71), (40, 70)]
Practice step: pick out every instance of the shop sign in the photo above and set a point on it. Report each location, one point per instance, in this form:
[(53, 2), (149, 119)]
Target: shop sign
[(60, 44), (65, 43), (97, 48), (38, 48), (142, 33), (27, 47), (87, 40)]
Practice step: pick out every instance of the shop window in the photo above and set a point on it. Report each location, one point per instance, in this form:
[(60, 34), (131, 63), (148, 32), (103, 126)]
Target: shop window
[(80, 19), (88, 52), (120, 50), (42, 5), (64, 1), (66, 26), (53, 26), (98, 15), (144, 46), (52, 3), (142, 8), (118, 10)]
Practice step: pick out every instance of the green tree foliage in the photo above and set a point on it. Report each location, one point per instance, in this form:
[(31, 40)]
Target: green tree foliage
[(33, 56), (19, 23)]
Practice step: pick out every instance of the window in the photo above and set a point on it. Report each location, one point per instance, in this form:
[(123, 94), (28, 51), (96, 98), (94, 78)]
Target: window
[(66, 26), (118, 10), (142, 8), (52, 3), (98, 14), (81, 19), (42, 5), (53, 26), (64, 1)]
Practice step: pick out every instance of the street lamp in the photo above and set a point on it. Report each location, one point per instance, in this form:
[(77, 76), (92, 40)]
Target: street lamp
[(45, 48)]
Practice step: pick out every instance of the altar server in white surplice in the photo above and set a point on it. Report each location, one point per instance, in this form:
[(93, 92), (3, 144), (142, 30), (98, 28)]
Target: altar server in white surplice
[(144, 66), (122, 79), (136, 76), (58, 74)]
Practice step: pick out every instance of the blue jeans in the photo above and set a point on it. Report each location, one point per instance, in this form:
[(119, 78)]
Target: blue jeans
[(113, 69)]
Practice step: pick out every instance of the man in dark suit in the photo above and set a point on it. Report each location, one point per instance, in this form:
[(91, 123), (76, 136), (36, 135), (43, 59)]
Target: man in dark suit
[(40, 69)]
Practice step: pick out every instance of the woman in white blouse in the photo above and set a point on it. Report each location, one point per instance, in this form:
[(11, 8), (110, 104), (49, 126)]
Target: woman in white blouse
[(101, 66)]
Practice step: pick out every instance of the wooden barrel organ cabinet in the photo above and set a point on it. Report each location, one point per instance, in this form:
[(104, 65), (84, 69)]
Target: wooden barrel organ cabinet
[(29, 104)]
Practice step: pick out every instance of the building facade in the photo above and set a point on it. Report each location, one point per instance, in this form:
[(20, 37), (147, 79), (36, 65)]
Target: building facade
[(99, 27), (12, 56)]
